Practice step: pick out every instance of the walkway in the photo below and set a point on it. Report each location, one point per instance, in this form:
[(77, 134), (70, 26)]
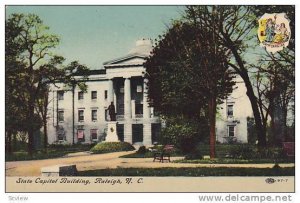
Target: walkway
[(85, 161)]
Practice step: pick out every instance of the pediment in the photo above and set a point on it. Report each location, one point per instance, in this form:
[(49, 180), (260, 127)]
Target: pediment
[(125, 61)]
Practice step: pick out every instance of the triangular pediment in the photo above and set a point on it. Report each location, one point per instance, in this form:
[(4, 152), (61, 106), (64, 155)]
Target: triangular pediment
[(127, 60)]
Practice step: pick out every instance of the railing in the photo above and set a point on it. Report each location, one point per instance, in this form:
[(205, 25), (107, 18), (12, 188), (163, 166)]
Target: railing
[(230, 139), (139, 115), (120, 117)]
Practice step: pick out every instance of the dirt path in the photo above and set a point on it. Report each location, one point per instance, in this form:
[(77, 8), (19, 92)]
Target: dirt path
[(85, 161)]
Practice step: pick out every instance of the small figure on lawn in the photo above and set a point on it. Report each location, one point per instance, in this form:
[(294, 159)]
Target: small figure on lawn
[(112, 112)]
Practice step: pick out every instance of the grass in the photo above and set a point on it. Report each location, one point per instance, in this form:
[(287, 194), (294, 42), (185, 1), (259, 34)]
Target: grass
[(106, 147), (233, 161), (147, 155), (54, 151), (193, 172), (223, 152)]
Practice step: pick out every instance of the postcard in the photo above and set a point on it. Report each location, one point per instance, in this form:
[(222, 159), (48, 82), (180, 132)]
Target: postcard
[(136, 98)]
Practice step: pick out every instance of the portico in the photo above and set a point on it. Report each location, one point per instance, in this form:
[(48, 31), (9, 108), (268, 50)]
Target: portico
[(127, 88)]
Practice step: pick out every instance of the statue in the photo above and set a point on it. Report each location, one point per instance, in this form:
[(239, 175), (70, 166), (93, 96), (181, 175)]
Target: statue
[(112, 112)]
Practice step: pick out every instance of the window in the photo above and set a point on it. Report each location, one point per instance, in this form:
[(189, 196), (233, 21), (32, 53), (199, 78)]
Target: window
[(94, 115), (60, 95), (105, 94), (230, 110), (138, 108), (94, 94), (60, 133), (94, 134), (80, 115), (61, 116), (231, 131), (80, 135), (139, 88), (80, 95)]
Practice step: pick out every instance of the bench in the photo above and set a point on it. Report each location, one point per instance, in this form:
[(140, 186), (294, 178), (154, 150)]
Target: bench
[(289, 148), (164, 155)]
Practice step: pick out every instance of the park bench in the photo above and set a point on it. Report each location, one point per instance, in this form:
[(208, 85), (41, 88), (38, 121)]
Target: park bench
[(289, 148), (164, 154)]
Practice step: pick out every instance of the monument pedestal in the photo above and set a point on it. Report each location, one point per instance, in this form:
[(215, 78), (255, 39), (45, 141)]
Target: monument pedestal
[(112, 135)]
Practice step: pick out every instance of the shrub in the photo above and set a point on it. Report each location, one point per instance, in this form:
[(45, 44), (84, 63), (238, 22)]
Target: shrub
[(253, 152), (271, 153), (243, 152), (193, 155), (197, 153), (142, 150), (183, 133), (106, 147)]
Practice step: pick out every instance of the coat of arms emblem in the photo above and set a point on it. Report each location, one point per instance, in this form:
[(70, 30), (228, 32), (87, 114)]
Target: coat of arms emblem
[(274, 31)]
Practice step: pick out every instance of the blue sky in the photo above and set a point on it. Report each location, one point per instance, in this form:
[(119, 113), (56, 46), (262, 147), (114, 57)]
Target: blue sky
[(95, 34)]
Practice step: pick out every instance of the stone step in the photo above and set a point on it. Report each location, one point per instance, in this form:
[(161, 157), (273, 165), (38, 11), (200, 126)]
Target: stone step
[(59, 170)]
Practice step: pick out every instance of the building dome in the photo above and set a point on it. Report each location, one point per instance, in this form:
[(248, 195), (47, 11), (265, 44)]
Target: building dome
[(142, 47)]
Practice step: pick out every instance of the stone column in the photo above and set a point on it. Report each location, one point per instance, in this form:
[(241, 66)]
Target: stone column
[(110, 91), (127, 111), (127, 99), (147, 132), (128, 132), (133, 108)]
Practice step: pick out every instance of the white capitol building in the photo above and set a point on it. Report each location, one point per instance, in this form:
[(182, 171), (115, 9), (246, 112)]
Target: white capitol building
[(122, 82)]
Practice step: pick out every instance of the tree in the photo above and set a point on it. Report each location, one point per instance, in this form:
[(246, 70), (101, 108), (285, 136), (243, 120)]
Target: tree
[(32, 47), (279, 70), (275, 92), (76, 76), (15, 100), (187, 71), (236, 31), (235, 24), (49, 73)]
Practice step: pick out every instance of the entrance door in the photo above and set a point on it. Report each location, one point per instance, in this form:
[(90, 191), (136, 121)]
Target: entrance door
[(120, 131), (155, 130), (137, 133)]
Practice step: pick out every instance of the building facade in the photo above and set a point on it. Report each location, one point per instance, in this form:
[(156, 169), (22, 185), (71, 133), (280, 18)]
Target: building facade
[(122, 82), (232, 123)]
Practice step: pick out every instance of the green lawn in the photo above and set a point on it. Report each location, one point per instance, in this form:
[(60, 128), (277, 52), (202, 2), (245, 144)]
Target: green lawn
[(53, 151), (194, 172), (234, 161), (147, 155), (224, 155)]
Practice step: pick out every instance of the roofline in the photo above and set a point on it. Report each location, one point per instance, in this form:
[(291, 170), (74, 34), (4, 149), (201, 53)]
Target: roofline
[(123, 65), (124, 58)]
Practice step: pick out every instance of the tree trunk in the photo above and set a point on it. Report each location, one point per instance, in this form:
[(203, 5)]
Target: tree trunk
[(31, 130), (14, 144), (212, 126), (261, 133), (243, 72), (8, 142), (284, 125), (273, 129), (45, 134), (45, 109)]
